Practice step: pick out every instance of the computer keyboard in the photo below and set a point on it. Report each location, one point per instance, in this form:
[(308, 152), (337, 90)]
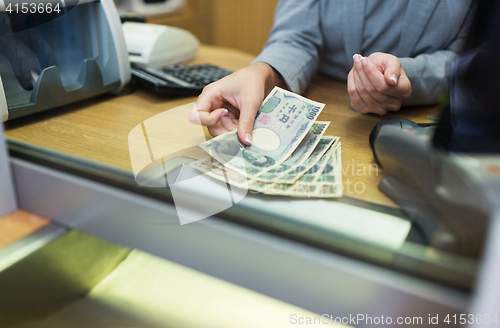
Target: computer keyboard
[(178, 81)]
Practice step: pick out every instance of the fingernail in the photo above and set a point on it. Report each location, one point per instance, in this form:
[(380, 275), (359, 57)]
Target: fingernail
[(248, 138), (224, 113), (235, 121), (364, 61), (394, 78), (355, 58)]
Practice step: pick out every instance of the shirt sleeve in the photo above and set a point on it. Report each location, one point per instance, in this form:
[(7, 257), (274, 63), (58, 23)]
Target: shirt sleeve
[(295, 42), (429, 74)]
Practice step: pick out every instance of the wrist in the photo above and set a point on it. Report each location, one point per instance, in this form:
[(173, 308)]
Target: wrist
[(271, 76)]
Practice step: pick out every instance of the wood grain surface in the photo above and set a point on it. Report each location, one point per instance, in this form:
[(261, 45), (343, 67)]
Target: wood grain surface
[(97, 129)]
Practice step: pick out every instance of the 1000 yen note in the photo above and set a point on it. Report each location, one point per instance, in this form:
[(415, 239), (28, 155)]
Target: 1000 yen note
[(313, 174), (299, 156), (214, 169), (332, 173), (282, 122), (324, 144), (329, 184), (309, 178)]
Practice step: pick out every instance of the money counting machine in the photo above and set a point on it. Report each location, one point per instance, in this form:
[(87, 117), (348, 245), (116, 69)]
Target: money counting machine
[(451, 196), (53, 59)]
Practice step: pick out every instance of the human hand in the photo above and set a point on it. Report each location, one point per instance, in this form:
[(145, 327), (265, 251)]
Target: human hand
[(377, 83), (233, 101)]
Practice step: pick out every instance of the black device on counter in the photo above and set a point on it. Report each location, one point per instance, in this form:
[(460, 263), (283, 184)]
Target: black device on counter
[(178, 81), (402, 123)]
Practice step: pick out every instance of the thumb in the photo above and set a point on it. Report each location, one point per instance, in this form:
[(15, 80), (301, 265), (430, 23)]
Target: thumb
[(392, 70), (247, 117)]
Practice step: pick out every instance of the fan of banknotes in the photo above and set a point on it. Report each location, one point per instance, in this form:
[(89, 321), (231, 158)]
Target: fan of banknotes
[(289, 155)]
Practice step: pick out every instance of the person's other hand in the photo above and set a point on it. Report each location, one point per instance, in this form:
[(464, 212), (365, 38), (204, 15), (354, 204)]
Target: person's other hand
[(233, 101), (377, 83)]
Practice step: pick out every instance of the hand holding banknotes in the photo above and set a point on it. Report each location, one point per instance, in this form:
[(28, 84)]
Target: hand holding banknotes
[(232, 102), (377, 83), (290, 155)]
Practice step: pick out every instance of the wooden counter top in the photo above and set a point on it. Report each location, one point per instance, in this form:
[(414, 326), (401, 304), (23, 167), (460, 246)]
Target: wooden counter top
[(97, 129)]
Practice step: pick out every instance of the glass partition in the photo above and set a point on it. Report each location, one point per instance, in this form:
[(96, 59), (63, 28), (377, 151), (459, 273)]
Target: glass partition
[(369, 232), (94, 138)]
